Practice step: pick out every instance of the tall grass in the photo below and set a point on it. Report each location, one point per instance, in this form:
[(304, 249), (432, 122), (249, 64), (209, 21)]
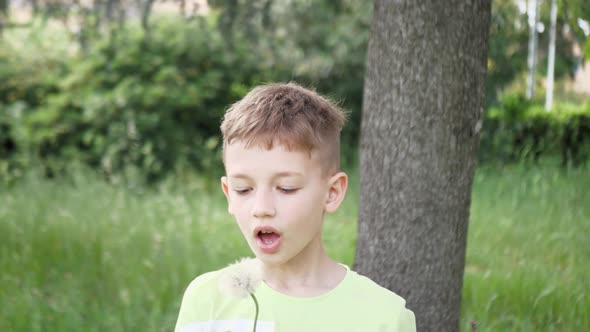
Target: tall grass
[(528, 254), (83, 255)]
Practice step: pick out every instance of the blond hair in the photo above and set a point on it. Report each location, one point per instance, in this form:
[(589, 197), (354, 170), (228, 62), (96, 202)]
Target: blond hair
[(287, 114)]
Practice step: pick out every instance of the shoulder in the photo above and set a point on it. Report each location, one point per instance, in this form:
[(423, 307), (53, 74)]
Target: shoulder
[(204, 283), (202, 290), (198, 298), (203, 280), (384, 306), (370, 290)]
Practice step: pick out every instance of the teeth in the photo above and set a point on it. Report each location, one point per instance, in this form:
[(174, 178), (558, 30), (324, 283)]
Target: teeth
[(266, 232)]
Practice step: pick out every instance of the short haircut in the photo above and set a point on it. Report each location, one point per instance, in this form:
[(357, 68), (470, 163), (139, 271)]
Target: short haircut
[(288, 114)]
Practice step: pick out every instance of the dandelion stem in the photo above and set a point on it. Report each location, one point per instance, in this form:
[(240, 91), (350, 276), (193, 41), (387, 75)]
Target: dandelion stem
[(255, 317)]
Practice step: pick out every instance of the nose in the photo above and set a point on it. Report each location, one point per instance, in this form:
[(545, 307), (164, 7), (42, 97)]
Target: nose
[(263, 204)]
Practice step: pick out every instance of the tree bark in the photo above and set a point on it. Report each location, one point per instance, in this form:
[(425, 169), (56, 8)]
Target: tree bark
[(35, 7), (146, 11), (532, 55), (422, 116), (4, 17), (551, 58), (4, 5)]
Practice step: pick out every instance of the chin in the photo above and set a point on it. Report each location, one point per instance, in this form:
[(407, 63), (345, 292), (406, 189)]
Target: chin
[(271, 259)]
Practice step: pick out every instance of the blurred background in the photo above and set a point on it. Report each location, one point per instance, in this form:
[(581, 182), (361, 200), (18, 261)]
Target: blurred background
[(110, 153)]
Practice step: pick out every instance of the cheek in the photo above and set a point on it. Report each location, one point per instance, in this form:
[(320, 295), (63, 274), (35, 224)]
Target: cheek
[(243, 228), (307, 205), (237, 207), (242, 221), (239, 203), (241, 212)]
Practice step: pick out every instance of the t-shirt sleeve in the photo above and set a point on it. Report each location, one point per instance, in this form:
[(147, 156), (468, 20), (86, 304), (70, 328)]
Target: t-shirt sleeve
[(407, 321), (194, 302)]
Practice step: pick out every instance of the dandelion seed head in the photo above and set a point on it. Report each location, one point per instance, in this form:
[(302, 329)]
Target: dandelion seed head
[(241, 278)]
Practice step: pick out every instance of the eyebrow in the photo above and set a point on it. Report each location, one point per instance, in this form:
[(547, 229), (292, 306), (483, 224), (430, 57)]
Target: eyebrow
[(277, 175)]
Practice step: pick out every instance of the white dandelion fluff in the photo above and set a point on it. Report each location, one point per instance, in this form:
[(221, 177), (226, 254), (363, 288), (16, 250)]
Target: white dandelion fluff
[(241, 278)]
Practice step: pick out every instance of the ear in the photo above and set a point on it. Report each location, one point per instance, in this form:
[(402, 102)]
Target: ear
[(338, 184), (225, 188)]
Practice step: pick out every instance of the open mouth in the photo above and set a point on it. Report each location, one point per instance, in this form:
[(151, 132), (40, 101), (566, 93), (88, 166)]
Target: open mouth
[(268, 239)]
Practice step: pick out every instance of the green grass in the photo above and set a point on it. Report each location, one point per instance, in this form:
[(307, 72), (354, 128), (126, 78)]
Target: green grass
[(528, 254), (82, 255)]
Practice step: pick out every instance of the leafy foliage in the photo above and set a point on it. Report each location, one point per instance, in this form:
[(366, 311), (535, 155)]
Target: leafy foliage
[(148, 102), (152, 104), (507, 53), (519, 128)]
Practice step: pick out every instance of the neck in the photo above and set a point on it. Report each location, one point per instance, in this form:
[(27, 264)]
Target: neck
[(305, 275)]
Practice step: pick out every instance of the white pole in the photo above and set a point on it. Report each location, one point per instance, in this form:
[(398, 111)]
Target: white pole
[(551, 60), (532, 57)]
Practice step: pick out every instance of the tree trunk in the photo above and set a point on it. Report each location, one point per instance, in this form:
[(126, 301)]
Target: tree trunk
[(146, 11), (4, 4), (532, 56), (4, 17), (422, 115), (551, 58), (35, 6)]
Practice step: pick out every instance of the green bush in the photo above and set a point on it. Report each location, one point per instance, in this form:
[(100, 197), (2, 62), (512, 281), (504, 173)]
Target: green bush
[(152, 104), (27, 76), (149, 103), (519, 129)]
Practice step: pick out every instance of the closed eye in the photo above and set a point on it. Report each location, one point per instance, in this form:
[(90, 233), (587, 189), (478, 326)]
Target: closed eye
[(287, 190), (242, 191)]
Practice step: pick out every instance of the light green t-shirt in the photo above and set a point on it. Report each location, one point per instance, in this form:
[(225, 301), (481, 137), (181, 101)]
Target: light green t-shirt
[(357, 304)]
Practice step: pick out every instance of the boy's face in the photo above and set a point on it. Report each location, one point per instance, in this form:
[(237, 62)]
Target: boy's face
[(278, 198)]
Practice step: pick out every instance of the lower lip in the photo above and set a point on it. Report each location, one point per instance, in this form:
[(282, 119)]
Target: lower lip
[(270, 247)]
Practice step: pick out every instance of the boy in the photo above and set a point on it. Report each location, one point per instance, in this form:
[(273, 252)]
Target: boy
[(281, 146)]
